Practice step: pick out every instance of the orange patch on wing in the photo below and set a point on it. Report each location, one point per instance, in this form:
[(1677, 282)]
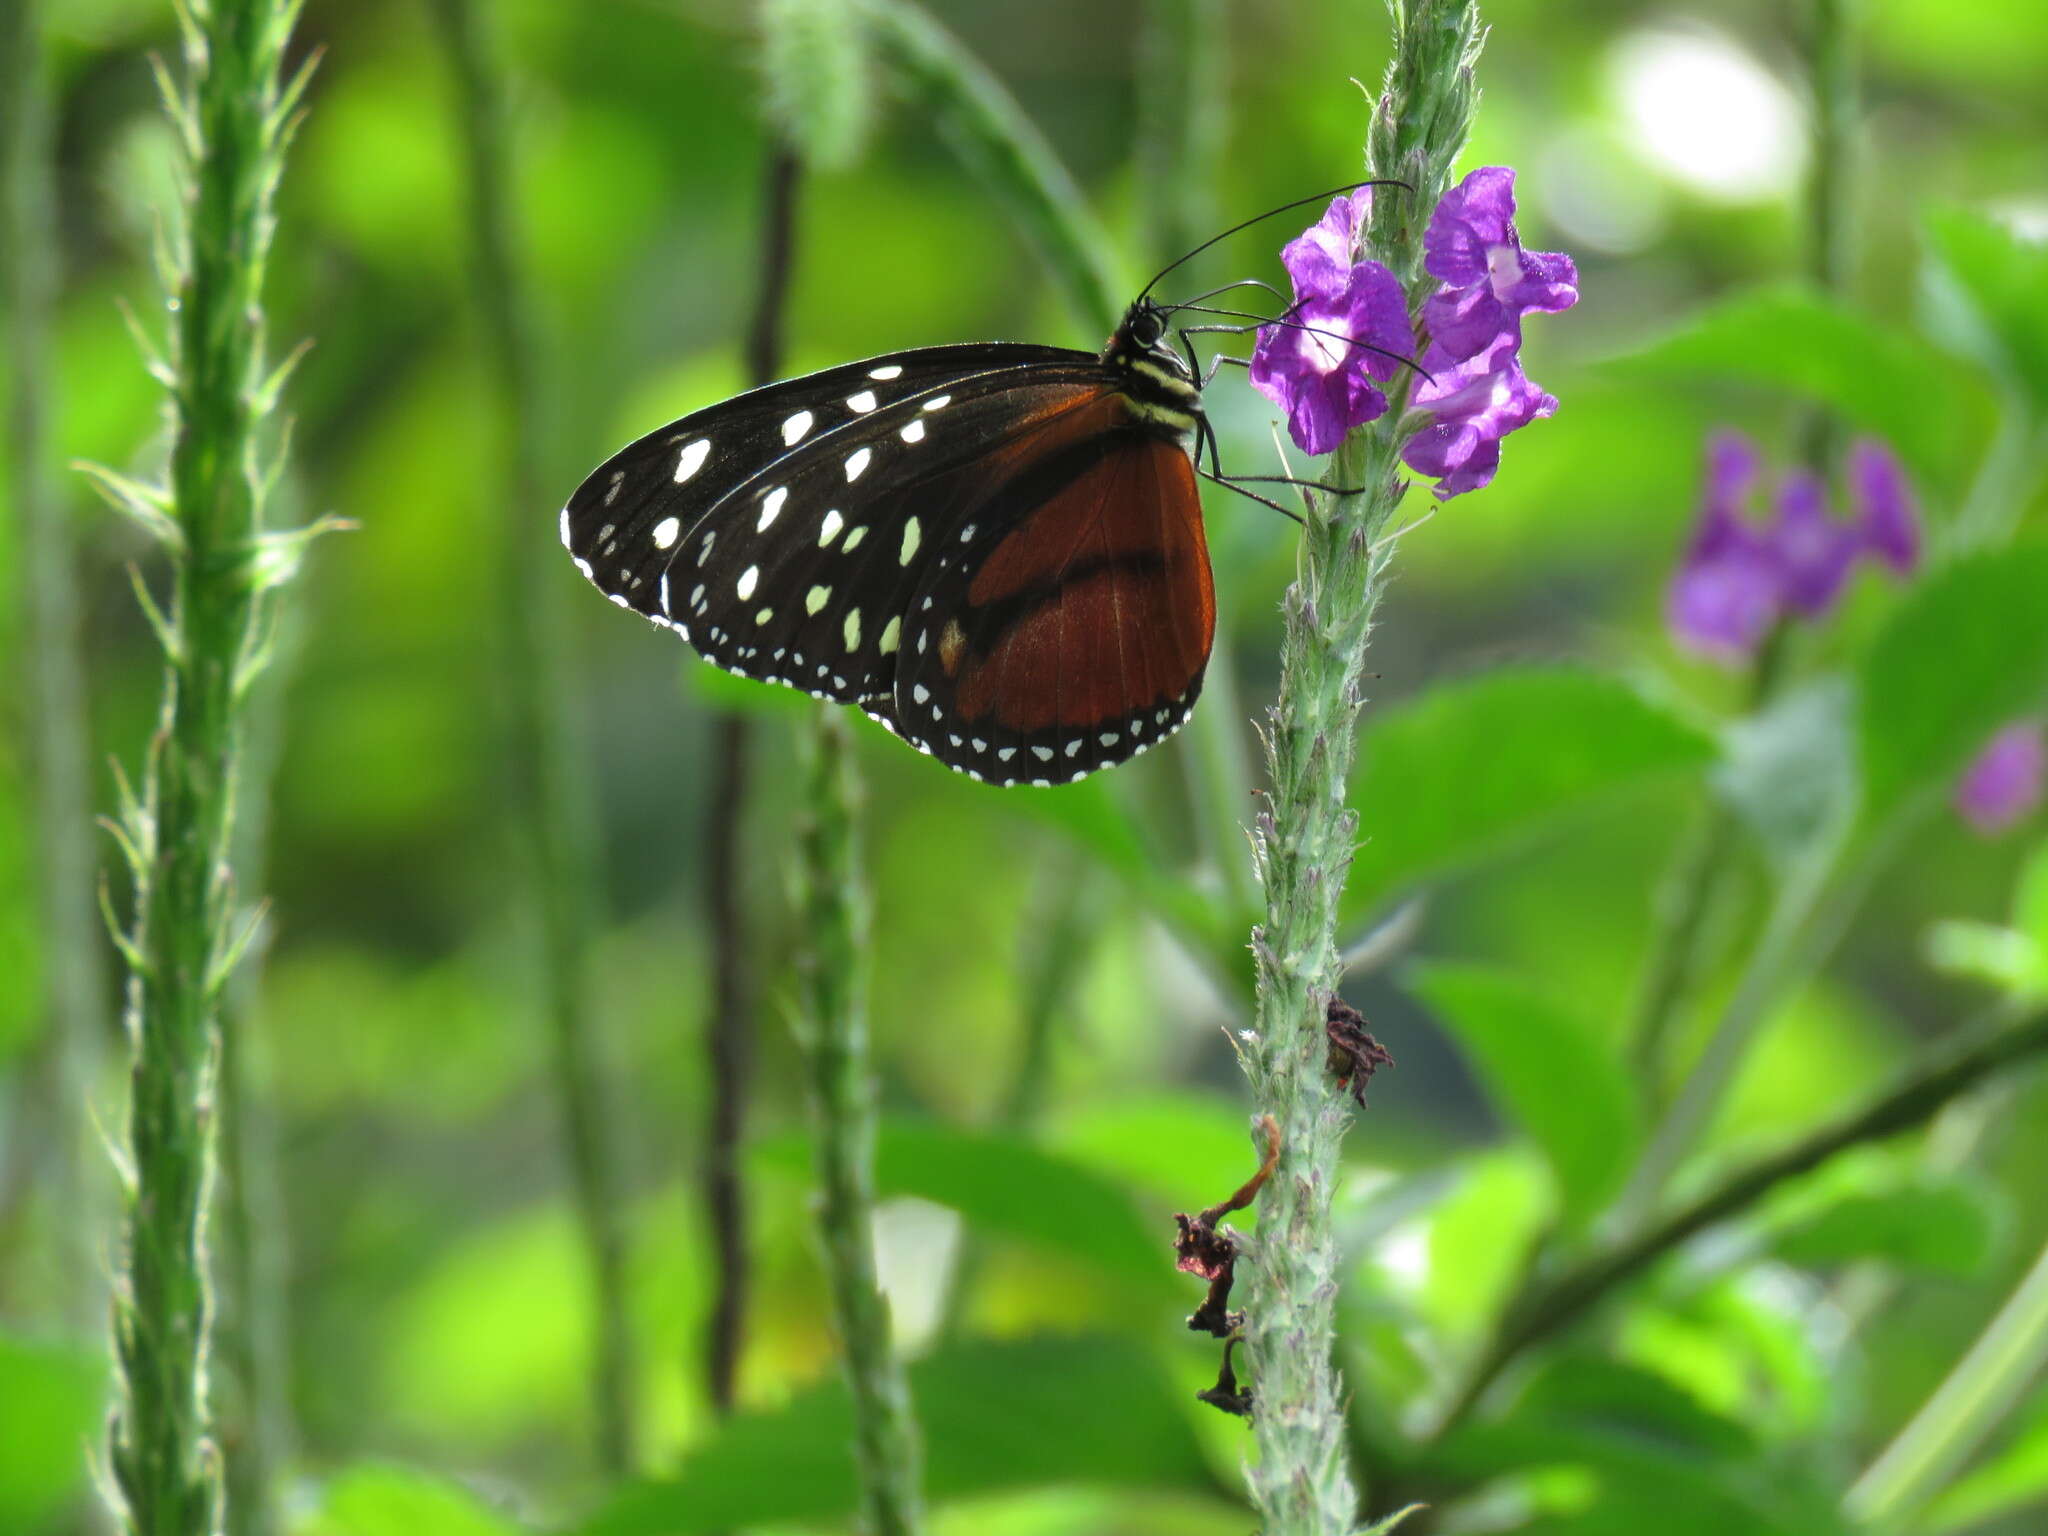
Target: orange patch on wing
[(1130, 610)]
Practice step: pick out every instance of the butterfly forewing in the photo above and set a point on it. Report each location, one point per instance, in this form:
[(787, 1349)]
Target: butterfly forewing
[(783, 549)]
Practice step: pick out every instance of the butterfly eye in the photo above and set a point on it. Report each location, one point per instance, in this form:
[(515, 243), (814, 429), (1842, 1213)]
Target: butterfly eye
[(1147, 326)]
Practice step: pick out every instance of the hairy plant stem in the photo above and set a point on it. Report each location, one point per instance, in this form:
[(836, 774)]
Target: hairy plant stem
[(234, 116), (1303, 839), (75, 1015), (1943, 1076), (729, 1035), (833, 1024), (551, 803), (1952, 1425)]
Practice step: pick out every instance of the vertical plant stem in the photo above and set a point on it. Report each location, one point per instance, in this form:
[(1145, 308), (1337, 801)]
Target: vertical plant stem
[(234, 117), (833, 1021), (549, 790), (729, 1041), (1304, 838), (1834, 104), (1985, 1386), (1181, 104), (1683, 913), (75, 1012)]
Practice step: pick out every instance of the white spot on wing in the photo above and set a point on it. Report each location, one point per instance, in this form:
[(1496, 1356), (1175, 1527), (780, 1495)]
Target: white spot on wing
[(920, 693), (692, 459), (666, 532), (565, 527), (748, 579), (857, 461), (891, 632), (816, 598), (771, 504), (793, 430), (861, 403), (892, 371), (1044, 754), (853, 539), (911, 535), (913, 433), (852, 632), (830, 531), (937, 403)]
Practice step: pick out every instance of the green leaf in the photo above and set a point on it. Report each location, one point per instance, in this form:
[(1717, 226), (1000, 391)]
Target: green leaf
[(1478, 765), (997, 1416), (1948, 1228), (1882, 378), (1964, 653), (1546, 1072), (2002, 279), (1007, 1187), (400, 1501), (50, 1399), (1790, 770)]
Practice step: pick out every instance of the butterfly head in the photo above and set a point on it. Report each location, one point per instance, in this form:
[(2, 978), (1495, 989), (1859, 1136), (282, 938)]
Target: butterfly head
[(1152, 375)]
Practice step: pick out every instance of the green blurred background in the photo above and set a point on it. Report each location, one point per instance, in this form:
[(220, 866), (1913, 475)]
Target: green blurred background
[(434, 1302)]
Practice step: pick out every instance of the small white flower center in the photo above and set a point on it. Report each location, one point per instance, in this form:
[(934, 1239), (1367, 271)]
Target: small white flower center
[(1503, 270)]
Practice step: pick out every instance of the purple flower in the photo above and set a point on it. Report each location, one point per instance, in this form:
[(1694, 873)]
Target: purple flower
[(1728, 590), (1473, 405), (1889, 517), (1815, 551), (1738, 579), (1490, 282), (2003, 783), (1346, 329)]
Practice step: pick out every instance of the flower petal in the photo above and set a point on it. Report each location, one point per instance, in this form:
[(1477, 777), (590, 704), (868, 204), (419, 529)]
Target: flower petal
[(1889, 516), (2004, 783)]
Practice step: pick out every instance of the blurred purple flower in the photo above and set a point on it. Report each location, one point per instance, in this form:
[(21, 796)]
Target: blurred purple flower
[(1738, 579), (1347, 328), (1728, 590), (1815, 551), (1889, 517), (2004, 782), (1490, 282), (1473, 405)]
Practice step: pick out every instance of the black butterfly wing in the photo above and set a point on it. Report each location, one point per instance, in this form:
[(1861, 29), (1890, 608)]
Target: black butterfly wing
[(1068, 624), (782, 531)]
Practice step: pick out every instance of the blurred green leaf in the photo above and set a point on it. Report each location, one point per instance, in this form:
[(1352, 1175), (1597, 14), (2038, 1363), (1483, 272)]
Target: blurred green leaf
[(1546, 1072), (2004, 279), (1660, 1459), (2013, 1479), (1820, 349), (1005, 1186), (1479, 764), (1945, 1228), (50, 1400), (1965, 653), (996, 1416), (1790, 769), (400, 1501)]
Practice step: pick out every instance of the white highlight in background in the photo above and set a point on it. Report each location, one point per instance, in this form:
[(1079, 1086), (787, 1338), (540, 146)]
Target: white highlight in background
[(1706, 112)]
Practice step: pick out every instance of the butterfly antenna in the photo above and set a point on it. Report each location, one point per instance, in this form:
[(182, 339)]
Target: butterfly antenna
[(1299, 202), (1295, 325)]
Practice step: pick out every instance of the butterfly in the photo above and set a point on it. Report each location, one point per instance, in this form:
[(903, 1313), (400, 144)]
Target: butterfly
[(994, 549)]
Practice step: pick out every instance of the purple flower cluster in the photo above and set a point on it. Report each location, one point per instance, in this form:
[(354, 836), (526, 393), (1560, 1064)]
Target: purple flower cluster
[(1348, 330), (1740, 577)]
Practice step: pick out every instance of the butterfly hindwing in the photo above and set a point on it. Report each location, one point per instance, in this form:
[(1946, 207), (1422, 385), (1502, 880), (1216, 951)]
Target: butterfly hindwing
[(1068, 626)]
